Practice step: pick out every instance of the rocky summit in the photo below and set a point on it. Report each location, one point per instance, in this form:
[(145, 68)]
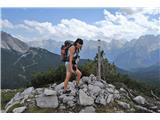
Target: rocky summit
[(93, 95)]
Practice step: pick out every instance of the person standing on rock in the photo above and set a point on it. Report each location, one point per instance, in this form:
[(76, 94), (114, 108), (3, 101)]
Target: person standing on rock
[(71, 62)]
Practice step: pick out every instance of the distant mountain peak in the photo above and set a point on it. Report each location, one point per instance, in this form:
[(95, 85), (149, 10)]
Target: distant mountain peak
[(11, 43)]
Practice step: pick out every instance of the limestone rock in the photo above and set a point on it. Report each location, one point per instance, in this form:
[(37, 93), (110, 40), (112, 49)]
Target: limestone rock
[(110, 98), (19, 109), (100, 100), (11, 105), (28, 91), (47, 101), (49, 92), (139, 100), (94, 90), (99, 84), (85, 99)]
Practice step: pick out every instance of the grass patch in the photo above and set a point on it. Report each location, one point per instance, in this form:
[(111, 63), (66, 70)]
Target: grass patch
[(35, 109), (13, 107), (6, 96)]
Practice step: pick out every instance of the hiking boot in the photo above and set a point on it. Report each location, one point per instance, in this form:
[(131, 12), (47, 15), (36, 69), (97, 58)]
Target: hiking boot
[(66, 91)]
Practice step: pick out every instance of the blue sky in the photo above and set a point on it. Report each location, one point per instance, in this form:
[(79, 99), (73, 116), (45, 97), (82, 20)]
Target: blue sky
[(87, 23), (54, 15)]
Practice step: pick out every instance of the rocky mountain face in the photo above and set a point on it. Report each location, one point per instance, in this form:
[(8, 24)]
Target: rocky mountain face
[(137, 53), (10, 43), (93, 95), (19, 61)]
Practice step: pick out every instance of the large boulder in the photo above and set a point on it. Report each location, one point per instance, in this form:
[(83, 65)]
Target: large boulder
[(49, 92), (47, 101), (139, 100), (28, 91), (84, 99)]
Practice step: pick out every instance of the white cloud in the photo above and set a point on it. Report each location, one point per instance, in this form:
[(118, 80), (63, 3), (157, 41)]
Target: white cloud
[(6, 24), (135, 10), (127, 23), (41, 27)]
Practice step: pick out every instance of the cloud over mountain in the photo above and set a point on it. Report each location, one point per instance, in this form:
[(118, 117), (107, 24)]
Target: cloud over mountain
[(125, 23)]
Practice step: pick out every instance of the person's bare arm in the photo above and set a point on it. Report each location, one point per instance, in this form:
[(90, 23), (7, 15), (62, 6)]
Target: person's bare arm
[(71, 51)]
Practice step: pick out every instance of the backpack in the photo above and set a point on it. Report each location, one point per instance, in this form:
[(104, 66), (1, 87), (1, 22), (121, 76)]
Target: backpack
[(64, 50)]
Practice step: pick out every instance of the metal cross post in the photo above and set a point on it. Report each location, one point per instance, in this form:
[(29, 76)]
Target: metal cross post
[(99, 60)]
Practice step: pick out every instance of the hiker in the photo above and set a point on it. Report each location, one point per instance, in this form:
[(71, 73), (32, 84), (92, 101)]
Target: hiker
[(71, 63)]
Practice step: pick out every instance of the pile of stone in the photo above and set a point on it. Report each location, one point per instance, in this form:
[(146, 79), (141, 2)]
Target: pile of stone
[(91, 92)]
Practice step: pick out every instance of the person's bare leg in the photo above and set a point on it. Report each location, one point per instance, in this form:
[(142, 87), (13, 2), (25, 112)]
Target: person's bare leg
[(79, 74), (68, 75)]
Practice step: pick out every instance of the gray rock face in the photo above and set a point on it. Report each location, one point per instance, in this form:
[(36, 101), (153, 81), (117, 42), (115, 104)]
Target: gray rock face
[(116, 94), (71, 103), (28, 91), (84, 99), (59, 87), (11, 43), (53, 85), (39, 90), (62, 107), (94, 90), (91, 94), (122, 90), (111, 86), (139, 100), (92, 77), (11, 105), (47, 101), (86, 80), (19, 109), (89, 109), (101, 100), (25, 98), (110, 90), (18, 96), (124, 105), (67, 99), (49, 92), (110, 98), (99, 84)]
